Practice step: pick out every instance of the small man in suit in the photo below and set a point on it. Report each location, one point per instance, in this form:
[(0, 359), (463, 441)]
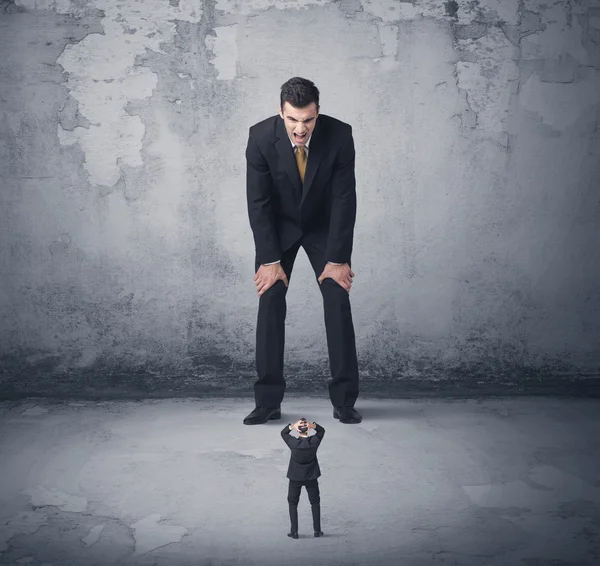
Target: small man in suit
[(304, 470), (301, 192)]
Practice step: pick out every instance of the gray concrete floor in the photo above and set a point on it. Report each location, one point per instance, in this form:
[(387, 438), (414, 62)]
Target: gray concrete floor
[(161, 482)]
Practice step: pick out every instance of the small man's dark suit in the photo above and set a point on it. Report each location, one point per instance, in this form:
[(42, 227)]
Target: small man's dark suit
[(304, 470), (318, 215)]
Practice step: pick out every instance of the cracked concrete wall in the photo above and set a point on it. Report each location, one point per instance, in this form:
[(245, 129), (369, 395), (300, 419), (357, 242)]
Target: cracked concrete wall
[(126, 258)]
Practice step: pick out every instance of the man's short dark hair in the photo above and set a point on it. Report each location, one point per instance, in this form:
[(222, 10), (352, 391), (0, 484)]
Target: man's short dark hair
[(299, 93)]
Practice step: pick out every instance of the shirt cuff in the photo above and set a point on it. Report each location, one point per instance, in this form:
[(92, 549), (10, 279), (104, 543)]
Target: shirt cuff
[(331, 263), (273, 262)]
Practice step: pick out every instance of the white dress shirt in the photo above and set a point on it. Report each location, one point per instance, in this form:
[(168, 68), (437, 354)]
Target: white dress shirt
[(295, 150)]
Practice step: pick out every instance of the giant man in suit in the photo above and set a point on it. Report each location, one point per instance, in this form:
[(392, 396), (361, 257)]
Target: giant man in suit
[(301, 192)]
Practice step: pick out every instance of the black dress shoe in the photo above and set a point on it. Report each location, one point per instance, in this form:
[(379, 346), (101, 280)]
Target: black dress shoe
[(293, 535), (318, 533), (348, 415), (261, 415)]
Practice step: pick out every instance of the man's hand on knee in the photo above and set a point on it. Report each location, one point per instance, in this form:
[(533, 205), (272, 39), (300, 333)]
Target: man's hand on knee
[(267, 276), (341, 274)]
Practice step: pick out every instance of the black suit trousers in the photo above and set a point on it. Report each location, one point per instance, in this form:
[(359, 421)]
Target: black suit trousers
[(294, 490), (312, 488), (270, 334)]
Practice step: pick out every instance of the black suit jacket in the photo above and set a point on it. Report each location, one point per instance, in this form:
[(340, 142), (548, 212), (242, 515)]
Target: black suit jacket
[(303, 459), (282, 209)]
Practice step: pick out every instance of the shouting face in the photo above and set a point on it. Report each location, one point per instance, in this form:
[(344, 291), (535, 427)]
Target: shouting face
[(299, 122)]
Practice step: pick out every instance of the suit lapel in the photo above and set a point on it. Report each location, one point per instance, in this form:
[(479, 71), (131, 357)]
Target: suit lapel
[(286, 153), (315, 155)]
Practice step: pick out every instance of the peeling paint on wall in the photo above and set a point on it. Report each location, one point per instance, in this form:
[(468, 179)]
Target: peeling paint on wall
[(224, 46), (489, 79), (247, 7), (561, 105), (388, 36), (392, 11), (562, 32), (103, 77)]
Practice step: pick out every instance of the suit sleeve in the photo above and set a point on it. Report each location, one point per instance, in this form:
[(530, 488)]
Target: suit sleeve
[(320, 431), (285, 434), (343, 205), (260, 208)]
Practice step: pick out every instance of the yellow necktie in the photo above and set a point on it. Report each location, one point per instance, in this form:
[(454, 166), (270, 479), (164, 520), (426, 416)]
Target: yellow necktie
[(301, 161)]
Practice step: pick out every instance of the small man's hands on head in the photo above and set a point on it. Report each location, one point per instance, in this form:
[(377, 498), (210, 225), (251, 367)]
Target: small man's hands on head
[(342, 274), (267, 276), (301, 422)]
